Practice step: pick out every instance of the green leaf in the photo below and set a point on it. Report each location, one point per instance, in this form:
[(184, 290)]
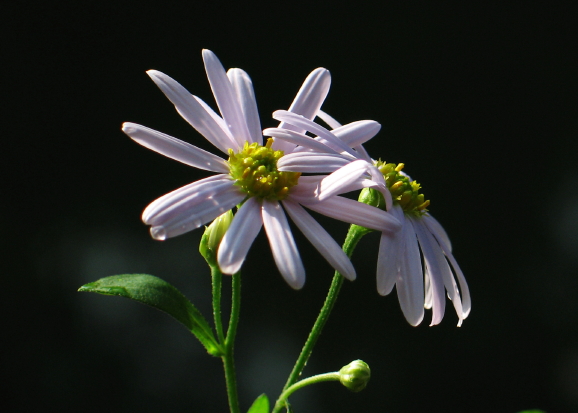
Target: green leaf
[(260, 405), (159, 294)]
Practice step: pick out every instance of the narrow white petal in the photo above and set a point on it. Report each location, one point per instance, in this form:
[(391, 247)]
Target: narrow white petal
[(311, 162), (232, 143), (240, 236), (409, 285), (201, 189), (282, 244), (325, 135), (298, 139), (388, 259), (180, 220), (439, 231), (362, 153), (311, 96), (226, 98), (243, 87), (355, 212), (320, 239), (191, 110), (330, 121), (343, 177), (356, 133), (174, 148), (443, 243), (433, 270)]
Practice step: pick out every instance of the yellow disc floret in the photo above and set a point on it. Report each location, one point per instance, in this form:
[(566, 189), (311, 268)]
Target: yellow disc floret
[(255, 170), (404, 191)]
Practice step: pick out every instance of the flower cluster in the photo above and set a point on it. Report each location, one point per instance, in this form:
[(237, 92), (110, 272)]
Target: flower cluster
[(267, 181)]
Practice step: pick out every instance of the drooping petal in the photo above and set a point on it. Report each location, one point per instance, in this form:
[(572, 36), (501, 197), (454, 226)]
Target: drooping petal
[(226, 98), (311, 162), (433, 270), (435, 227), (409, 285), (297, 138), (243, 87), (355, 212), (282, 244), (183, 219), (204, 188), (192, 111), (388, 260), (320, 239), (174, 148), (439, 231), (356, 133), (325, 135), (240, 236)]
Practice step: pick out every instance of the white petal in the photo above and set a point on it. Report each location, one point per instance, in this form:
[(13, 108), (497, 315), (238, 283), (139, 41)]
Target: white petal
[(220, 121), (325, 135), (311, 162), (362, 153), (240, 236), (320, 239), (409, 285), (298, 139), (330, 121), (464, 289), (311, 95), (174, 148), (181, 220), (343, 177), (226, 98), (192, 111), (388, 259), (439, 231), (355, 212), (246, 95), (434, 270), (282, 244), (356, 133), (205, 188)]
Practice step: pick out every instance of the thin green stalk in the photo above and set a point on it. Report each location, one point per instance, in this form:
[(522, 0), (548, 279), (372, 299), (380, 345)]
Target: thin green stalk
[(217, 278), (282, 401), (229, 342), (353, 236)]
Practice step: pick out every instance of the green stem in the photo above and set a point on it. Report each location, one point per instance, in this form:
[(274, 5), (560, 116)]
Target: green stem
[(282, 401), (353, 236), (217, 278), (229, 342)]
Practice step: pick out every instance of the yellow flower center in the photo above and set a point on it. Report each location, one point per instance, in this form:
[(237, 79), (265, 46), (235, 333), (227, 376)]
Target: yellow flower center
[(254, 169), (403, 191)]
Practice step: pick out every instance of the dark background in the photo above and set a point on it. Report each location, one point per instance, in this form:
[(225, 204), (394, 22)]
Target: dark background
[(480, 103)]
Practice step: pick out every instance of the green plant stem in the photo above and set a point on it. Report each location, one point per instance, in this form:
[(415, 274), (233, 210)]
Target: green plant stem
[(282, 401), (353, 236), (217, 278), (227, 342)]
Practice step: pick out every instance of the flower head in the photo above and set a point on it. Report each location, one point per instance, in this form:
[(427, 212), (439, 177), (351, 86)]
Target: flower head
[(249, 178), (401, 253)]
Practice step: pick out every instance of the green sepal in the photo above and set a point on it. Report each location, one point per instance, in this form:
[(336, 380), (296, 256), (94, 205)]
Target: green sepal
[(260, 405), (159, 294)]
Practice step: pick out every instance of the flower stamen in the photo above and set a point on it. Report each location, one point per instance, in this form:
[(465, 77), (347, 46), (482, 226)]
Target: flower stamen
[(254, 169)]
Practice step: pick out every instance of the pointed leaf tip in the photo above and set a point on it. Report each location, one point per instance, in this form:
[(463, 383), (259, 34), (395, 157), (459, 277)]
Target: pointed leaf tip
[(260, 405)]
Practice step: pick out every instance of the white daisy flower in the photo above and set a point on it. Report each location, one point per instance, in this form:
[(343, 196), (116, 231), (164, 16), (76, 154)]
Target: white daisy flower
[(400, 261), (249, 176)]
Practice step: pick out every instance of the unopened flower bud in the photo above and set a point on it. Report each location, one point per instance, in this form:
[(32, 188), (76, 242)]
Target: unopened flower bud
[(355, 375), (213, 236)]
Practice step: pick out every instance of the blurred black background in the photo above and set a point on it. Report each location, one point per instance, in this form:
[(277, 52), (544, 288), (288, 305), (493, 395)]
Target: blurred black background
[(479, 101)]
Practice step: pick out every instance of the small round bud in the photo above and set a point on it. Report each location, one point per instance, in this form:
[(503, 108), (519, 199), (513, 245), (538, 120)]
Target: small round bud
[(355, 375)]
